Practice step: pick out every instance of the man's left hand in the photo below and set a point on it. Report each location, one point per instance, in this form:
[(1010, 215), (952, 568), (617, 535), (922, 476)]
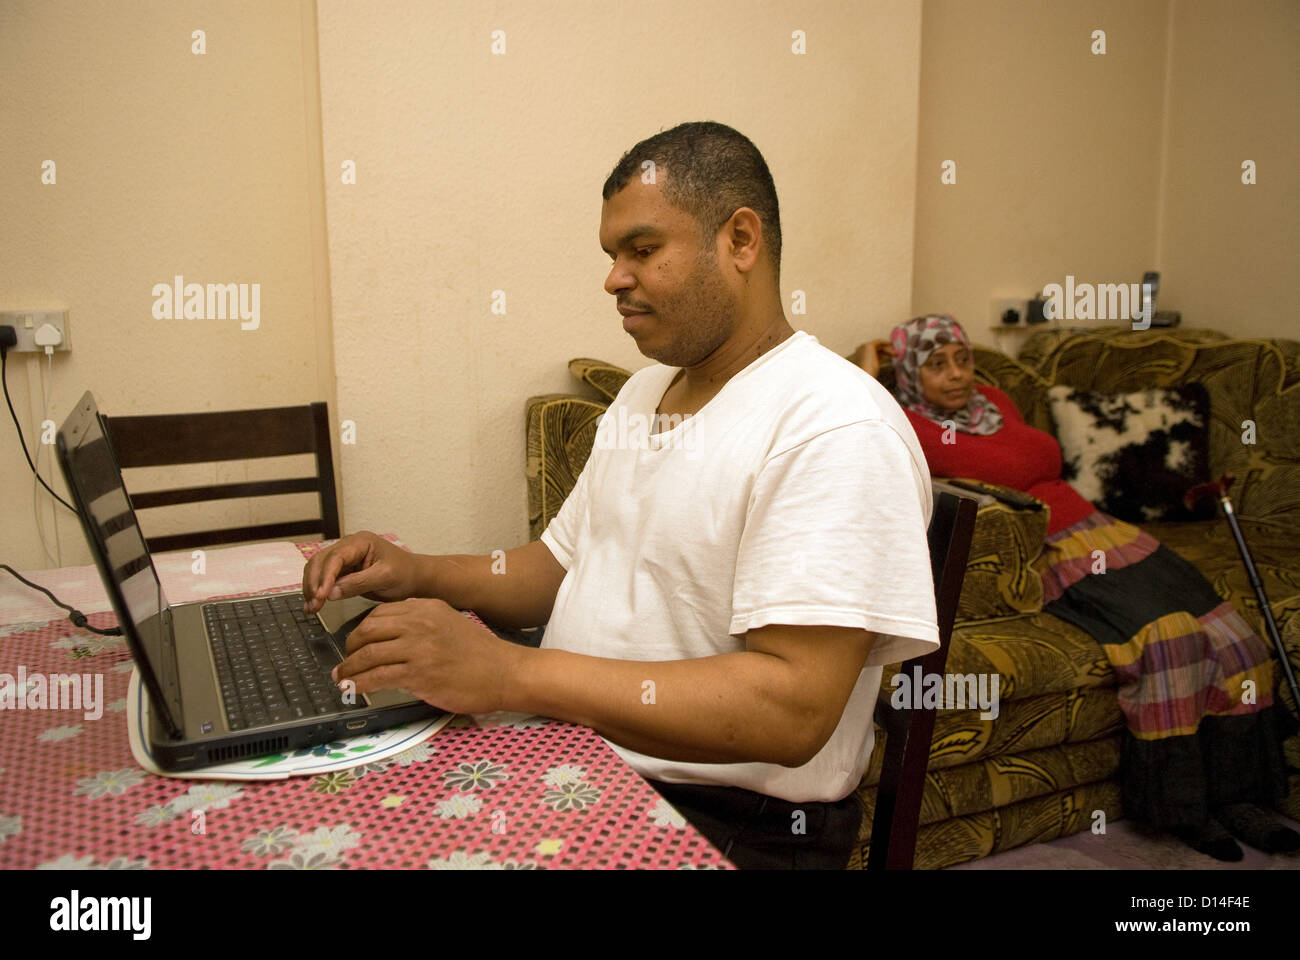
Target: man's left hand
[(429, 649)]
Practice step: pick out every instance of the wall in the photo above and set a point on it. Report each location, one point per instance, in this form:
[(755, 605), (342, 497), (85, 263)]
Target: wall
[(167, 162), (1105, 166), (1057, 150), (1231, 252), (478, 172)]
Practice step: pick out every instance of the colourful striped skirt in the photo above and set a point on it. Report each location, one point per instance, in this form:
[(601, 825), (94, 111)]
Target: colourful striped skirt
[(1195, 682)]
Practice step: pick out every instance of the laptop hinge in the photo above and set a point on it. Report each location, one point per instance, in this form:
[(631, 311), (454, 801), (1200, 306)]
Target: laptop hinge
[(176, 707)]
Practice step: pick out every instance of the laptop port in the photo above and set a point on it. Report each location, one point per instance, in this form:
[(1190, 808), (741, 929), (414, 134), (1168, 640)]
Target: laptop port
[(356, 724)]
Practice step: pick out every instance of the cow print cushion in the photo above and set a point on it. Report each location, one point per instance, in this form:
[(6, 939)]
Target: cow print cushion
[(1134, 455)]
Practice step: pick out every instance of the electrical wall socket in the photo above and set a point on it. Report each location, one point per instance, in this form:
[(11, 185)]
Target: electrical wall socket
[(999, 306), (27, 322)]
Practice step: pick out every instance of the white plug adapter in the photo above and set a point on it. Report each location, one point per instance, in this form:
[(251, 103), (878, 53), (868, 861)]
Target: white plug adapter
[(49, 337)]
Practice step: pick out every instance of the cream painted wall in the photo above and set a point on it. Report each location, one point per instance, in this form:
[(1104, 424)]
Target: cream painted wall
[(1057, 150), (1231, 252), (478, 172), (167, 163), (1106, 166)]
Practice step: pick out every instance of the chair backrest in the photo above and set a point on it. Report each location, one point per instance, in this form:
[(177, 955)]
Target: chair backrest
[(172, 439), (909, 731)]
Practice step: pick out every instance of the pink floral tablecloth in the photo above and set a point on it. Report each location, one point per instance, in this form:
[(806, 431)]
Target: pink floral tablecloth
[(532, 794)]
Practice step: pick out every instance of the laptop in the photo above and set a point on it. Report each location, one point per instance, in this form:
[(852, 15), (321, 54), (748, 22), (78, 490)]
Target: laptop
[(226, 679)]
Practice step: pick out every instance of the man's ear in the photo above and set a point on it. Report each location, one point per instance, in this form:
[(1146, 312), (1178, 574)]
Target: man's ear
[(744, 233)]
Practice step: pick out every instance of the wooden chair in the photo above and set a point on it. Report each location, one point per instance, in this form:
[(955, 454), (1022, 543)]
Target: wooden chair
[(909, 731), (152, 441)]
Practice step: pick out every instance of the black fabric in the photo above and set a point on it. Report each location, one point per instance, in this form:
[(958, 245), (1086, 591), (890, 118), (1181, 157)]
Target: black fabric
[(1175, 782), (758, 832), (1115, 605), (1257, 828), (1213, 840)]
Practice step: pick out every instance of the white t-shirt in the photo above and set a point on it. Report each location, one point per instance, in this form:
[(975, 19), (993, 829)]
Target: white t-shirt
[(797, 495)]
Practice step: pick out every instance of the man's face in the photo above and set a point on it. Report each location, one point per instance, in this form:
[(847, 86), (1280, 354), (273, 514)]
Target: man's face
[(664, 269)]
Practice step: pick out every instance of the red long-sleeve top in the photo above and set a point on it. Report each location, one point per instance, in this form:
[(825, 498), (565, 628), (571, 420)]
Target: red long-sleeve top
[(1016, 456)]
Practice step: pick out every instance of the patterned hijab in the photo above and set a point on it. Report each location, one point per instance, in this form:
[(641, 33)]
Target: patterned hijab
[(913, 343)]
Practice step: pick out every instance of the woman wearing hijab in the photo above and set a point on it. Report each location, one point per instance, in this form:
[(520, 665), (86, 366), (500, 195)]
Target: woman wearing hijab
[(1197, 760)]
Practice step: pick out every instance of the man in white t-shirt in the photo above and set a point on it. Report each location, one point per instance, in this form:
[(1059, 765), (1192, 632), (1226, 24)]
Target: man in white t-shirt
[(742, 553)]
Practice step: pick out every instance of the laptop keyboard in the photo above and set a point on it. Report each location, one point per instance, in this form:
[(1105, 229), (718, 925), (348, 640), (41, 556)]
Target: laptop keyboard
[(273, 661)]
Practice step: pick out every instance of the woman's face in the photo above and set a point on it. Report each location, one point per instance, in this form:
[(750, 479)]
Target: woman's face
[(948, 375)]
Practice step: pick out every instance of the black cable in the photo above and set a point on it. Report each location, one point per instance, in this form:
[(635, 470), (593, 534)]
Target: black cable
[(4, 380), (76, 616)]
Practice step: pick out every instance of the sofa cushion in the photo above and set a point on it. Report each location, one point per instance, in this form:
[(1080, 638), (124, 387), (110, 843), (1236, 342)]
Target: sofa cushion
[(1254, 389), (1135, 454), (996, 781), (605, 378), (1037, 351), (560, 430), (1002, 579), (1032, 654), (1027, 390), (1049, 720), (1037, 820), (1210, 547)]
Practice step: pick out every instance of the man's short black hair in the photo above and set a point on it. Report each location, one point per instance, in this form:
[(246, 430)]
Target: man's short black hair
[(711, 172)]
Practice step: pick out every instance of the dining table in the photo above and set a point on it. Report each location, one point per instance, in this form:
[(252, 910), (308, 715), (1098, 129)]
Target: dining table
[(485, 792)]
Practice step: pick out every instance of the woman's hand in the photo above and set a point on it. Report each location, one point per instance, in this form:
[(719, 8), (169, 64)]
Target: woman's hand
[(869, 356)]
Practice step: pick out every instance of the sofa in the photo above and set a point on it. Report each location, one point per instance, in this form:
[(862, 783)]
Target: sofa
[(1049, 761)]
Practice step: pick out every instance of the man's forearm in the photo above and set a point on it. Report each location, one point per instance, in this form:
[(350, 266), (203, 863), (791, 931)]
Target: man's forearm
[(514, 588), (729, 708)]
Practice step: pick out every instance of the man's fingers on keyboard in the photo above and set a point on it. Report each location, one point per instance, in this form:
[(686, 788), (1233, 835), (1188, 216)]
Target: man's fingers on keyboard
[(353, 584), (373, 628), (319, 579), (311, 572), (329, 575)]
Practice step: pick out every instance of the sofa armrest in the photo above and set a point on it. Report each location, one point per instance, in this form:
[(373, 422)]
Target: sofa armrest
[(1002, 574), (1254, 390), (1025, 387), (560, 431)]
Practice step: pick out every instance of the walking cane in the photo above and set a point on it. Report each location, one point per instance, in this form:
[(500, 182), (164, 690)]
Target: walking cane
[(1219, 488)]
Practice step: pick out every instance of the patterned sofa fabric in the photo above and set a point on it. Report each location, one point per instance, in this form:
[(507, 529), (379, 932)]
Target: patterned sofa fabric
[(1002, 572), (1254, 388), (560, 431), (1001, 579), (960, 839), (962, 737), (1047, 762), (605, 378), (999, 780), (1249, 381)]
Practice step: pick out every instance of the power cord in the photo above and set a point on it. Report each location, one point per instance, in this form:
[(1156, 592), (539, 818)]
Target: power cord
[(76, 616), (38, 508), (49, 340), (6, 335)]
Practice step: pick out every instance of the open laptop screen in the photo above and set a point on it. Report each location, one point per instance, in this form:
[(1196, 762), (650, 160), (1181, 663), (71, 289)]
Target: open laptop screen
[(114, 536)]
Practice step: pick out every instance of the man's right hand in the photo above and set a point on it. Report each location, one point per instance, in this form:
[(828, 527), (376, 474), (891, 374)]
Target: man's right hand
[(361, 564)]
